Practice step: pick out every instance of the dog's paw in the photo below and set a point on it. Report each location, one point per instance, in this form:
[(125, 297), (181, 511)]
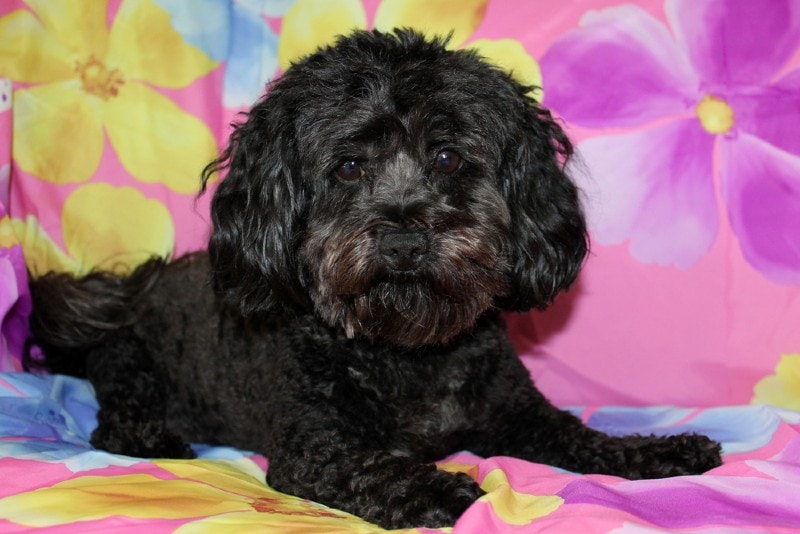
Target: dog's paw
[(683, 454), (439, 502)]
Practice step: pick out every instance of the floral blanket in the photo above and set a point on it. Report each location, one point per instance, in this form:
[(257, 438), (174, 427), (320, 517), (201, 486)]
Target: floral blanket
[(52, 478), (689, 158)]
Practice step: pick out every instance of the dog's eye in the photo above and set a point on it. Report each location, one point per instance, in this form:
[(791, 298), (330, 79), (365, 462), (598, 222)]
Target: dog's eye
[(447, 162), (350, 171)]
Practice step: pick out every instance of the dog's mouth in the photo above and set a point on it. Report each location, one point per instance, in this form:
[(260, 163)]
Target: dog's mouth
[(412, 308)]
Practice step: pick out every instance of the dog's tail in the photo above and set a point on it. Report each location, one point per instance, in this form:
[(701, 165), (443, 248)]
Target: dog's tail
[(73, 314)]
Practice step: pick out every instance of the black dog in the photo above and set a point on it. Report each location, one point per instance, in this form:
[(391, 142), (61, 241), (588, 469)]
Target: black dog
[(384, 203)]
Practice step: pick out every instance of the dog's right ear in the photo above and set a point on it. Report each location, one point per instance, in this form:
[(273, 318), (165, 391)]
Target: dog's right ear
[(256, 210)]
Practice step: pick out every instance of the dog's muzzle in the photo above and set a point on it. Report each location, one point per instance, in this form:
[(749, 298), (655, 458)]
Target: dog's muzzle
[(403, 250)]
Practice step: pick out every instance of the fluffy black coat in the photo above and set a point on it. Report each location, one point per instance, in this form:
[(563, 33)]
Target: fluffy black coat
[(384, 202)]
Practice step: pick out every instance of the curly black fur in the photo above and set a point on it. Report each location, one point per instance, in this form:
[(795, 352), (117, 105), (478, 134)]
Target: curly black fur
[(384, 202)]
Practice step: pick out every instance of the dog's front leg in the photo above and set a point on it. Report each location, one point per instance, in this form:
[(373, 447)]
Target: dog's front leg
[(524, 424), (547, 435), (389, 490)]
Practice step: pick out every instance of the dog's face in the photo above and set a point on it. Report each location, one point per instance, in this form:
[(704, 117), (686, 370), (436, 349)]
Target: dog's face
[(399, 189)]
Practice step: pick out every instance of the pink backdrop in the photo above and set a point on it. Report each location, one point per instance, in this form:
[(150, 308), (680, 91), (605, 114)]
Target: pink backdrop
[(689, 157)]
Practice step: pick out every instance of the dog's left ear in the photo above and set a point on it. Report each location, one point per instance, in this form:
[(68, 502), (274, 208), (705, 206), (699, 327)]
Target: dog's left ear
[(548, 228)]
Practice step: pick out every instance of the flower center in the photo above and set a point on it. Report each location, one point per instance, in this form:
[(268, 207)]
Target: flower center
[(97, 79), (715, 114)]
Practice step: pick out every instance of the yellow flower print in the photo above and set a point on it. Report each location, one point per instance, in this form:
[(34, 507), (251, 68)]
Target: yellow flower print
[(511, 506), (87, 80), (783, 388), (7, 236), (103, 226), (433, 17), (41, 254), (510, 55), (229, 496), (311, 24)]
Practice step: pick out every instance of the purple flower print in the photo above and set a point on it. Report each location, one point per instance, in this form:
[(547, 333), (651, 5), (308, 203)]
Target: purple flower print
[(711, 99), (15, 307)]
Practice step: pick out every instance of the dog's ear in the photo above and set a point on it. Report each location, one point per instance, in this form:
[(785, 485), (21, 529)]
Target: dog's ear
[(548, 229), (256, 210)]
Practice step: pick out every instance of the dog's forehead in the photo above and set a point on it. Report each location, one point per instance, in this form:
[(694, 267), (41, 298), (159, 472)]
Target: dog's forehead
[(369, 102), (397, 91)]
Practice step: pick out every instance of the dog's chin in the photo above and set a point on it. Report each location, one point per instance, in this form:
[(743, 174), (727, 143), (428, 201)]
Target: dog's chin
[(407, 314)]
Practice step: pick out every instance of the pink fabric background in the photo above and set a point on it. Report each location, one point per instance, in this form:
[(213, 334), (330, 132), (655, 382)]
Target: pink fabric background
[(628, 333)]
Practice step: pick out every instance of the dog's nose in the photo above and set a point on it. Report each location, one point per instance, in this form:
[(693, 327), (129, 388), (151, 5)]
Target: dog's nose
[(403, 251)]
